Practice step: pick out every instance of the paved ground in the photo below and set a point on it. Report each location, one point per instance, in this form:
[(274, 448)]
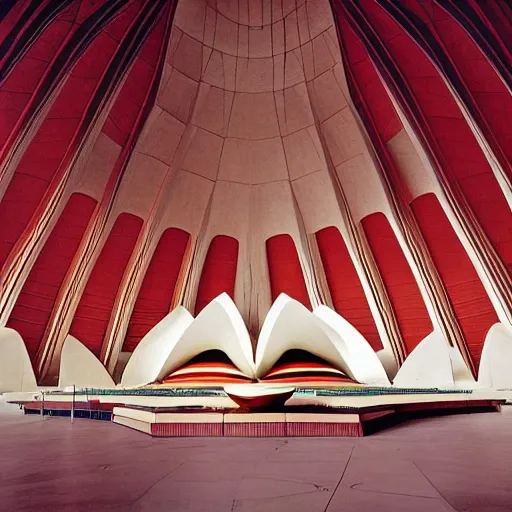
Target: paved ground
[(461, 463)]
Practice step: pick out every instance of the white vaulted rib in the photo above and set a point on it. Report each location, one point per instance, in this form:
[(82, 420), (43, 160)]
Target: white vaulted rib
[(362, 361), (81, 368), (288, 326), (148, 361), (219, 326), (496, 362), (16, 373)]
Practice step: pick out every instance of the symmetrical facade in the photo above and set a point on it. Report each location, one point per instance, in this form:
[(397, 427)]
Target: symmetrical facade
[(352, 153)]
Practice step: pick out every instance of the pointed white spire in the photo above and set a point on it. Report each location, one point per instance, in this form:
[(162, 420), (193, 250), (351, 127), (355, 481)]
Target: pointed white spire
[(16, 373), (80, 367), (428, 365), (219, 326), (496, 361)]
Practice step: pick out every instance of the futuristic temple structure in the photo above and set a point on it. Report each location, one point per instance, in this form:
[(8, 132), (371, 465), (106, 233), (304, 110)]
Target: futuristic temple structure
[(203, 192)]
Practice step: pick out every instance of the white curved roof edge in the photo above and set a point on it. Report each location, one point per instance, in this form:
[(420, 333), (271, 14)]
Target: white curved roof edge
[(495, 369), (148, 359), (219, 326), (79, 367), (290, 325), (16, 372), (364, 364)]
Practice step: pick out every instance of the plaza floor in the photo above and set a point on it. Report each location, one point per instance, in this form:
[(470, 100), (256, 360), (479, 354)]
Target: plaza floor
[(452, 463)]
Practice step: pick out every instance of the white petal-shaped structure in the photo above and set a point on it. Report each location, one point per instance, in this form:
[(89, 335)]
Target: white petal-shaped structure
[(249, 161), (288, 326), (428, 365), (16, 373), (148, 361), (496, 362), (80, 367), (219, 326), (362, 361)]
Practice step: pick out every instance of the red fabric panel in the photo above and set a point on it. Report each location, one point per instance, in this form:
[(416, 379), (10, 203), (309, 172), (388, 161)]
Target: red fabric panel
[(219, 271), (347, 293), (383, 114), (448, 132), (17, 89), (12, 17), (285, 270), (93, 313), (117, 29), (465, 290), (486, 87), (35, 303), (151, 49), (54, 139), (123, 114), (499, 14), (87, 8), (157, 289), (403, 291)]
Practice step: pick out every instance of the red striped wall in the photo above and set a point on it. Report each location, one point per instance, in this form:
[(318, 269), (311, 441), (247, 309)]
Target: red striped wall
[(123, 114), (402, 289), (448, 133), (348, 297), (285, 271), (53, 140), (95, 307), (378, 105), (492, 106), (36, 300), (12, 17), (470, 301), (499, 14), (219, 271), (20, 84), (157, 289)]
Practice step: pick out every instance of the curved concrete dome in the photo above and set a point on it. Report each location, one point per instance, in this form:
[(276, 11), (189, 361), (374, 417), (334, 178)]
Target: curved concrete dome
[(349, 153)]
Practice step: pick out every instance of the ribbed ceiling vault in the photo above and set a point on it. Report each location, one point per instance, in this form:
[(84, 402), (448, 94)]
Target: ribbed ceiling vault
[(353, 153)]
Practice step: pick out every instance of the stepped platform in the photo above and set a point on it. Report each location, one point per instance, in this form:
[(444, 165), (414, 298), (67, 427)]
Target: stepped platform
[(290, 421), (318, 412)]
